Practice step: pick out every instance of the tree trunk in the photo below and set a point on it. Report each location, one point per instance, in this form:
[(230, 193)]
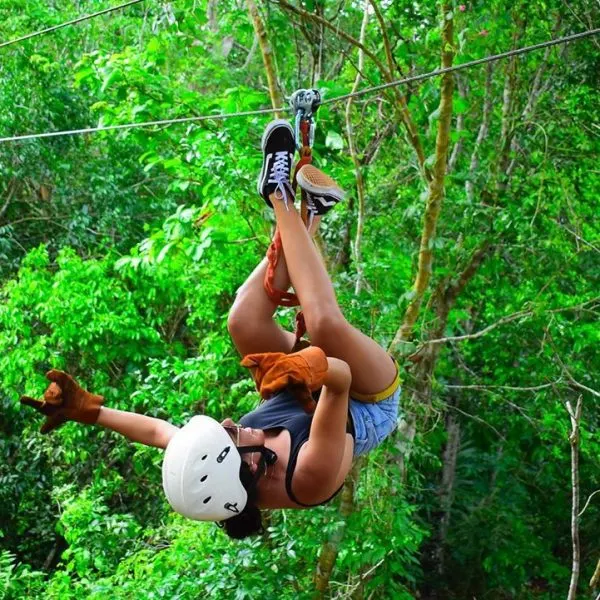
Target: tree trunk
[(360, 184), (331, 547), (481, 134), (436, 187), (460, 125), (211, 15), (427, 357), (575, 415), (447, 486), (267, 54), (508, 117), (595, 580)]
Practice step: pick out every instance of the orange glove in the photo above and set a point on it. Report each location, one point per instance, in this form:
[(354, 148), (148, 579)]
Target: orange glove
[(303, 372), (64, 400)]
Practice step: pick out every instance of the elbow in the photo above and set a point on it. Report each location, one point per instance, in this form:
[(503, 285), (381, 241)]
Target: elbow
[(345, 374), (339, 375)]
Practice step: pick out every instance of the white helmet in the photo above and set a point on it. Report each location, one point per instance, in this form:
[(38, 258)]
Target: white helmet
[(201, 472)]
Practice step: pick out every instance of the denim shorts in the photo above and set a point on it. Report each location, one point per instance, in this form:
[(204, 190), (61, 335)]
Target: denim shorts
[(373, 422)]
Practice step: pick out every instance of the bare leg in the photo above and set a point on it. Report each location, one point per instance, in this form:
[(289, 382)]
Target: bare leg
[(250, 321), (372, 369)]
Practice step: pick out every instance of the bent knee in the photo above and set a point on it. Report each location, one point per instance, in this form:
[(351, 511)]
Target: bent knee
[(238, 322), (322, 325)]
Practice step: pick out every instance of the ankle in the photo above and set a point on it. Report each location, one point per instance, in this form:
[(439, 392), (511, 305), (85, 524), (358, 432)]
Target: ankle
[(276, 197), (314, 225)]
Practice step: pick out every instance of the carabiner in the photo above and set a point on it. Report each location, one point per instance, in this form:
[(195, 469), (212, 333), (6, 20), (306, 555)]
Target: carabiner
[(305, 104)]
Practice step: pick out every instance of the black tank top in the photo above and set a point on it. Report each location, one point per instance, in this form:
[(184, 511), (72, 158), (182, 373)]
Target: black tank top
[(282, 411)]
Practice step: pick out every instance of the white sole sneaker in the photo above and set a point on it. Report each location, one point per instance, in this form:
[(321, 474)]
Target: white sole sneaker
[(323, 192)]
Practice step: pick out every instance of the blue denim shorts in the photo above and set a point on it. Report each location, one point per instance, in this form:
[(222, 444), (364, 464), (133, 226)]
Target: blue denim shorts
[(373, 422)]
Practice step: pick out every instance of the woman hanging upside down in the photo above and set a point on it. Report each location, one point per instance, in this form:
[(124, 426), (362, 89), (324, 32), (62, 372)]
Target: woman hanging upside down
[(289, 452)]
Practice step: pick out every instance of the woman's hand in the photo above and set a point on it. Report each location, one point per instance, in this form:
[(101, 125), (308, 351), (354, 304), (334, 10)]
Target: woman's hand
[(65, 400), (302, 371)]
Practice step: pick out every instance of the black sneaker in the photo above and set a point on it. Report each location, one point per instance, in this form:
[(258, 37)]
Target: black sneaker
[(322, 192), (278, 148)]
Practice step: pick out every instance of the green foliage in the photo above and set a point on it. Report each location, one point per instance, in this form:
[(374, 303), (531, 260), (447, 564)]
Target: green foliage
[(120, 255)]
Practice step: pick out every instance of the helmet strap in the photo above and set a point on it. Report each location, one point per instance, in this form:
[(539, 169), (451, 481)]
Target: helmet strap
[(267, 458)]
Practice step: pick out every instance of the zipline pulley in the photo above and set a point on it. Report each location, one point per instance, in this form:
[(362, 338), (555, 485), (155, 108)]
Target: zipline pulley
[(305, 104)]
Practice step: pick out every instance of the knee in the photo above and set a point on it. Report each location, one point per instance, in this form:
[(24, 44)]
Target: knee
[(324, 323), (237, 320)]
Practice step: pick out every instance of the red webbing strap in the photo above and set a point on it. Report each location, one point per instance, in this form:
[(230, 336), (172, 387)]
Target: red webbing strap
[(300, 326), (305, 159), (281, 297)]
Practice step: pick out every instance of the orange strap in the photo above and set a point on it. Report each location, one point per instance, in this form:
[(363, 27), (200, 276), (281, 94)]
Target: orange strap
[(280, 297), (305, 159)]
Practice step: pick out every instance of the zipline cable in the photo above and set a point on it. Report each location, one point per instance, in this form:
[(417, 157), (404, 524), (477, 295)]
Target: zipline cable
[(73, 22), (218, 117), (467, 65), (263, 111)]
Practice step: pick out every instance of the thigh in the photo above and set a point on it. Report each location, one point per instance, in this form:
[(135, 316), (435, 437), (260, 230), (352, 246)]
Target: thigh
[(373, 370), (250, 322), (267, 336)]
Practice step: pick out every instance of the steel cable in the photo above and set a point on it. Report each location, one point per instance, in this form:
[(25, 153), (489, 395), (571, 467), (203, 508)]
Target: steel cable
[(73, 22), (223, 116)]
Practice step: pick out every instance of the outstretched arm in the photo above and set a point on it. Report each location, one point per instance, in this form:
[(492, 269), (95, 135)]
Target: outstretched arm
[(136, 427), (65, 400)]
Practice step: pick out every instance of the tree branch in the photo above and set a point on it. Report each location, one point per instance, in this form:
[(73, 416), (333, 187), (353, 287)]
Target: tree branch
[(360, 184), (11, 191), (536, 90), (478, 419), (436, 188), (251, 53), (588, 501), (400, 100), (384, 36), (513, 317), (472, 336), (267, 54), (512, 388), (482, 133), (340, 33), (460, 125), (575, 415), (572, 379)]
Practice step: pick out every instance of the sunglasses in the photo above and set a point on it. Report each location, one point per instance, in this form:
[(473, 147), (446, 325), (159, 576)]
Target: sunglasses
[(267, 454), (234, 432)]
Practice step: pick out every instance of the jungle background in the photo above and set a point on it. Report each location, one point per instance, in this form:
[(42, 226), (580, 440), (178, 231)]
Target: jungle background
[(471, 220)]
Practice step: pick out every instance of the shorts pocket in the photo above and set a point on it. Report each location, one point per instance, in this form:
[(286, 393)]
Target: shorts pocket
[(385, 429), (363, 433), (373, 423), (380, 423)]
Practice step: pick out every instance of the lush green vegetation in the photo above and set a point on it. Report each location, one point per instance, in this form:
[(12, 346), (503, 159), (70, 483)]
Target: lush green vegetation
[(120, 254)]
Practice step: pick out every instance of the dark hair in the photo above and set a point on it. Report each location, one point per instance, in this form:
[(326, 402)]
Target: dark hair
[(249, 521)]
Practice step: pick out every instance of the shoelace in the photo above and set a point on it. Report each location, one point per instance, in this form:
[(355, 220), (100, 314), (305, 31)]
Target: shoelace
[(280, 174), (311, 209)]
